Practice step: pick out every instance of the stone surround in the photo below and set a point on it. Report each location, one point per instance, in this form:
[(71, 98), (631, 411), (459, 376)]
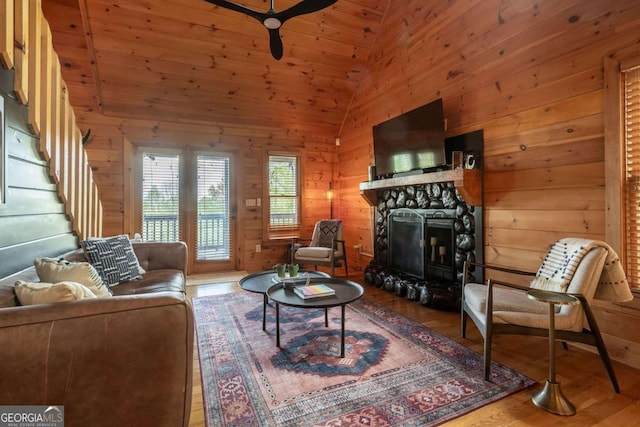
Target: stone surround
[(468, 241)]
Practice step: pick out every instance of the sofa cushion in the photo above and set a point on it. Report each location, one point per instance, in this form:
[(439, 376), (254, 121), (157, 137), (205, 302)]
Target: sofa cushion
[(59, 270), (153, 281), (29, 293), (113, 258)]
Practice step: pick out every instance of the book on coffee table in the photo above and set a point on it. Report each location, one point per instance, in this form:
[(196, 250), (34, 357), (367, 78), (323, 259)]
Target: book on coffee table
[(314, 291)]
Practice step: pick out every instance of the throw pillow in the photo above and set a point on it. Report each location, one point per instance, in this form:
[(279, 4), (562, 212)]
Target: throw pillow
[(30, 293), (113, 258), (53, 271)]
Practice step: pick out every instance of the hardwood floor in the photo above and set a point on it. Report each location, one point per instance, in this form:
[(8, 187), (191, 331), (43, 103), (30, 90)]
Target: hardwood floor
[(581, 373)]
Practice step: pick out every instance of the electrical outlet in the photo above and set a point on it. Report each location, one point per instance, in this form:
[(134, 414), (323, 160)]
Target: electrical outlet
[(357, 248), (258, 248)]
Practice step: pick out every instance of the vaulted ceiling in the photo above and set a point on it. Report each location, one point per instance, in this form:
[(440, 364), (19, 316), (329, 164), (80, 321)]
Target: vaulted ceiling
[(188, 60)]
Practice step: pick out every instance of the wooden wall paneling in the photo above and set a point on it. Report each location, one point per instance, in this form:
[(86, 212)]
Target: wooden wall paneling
[(97, 212), (18, 257), (58, 115), (128, 225), (89, 203), (69, 167), (579, 198), (35, 71), (91, 212), (86, 205), (37, 83), (47, 119), (580, 174), (580, 127), (614, 156), (93, 226), (21, 31), (587, 151), (61, 140), (33, 220), (20, 228), (583, 221), (6, 34), (78, 171), (534, 84)]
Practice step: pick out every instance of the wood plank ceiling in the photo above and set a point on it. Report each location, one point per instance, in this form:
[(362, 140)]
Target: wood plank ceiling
[(191, 61)]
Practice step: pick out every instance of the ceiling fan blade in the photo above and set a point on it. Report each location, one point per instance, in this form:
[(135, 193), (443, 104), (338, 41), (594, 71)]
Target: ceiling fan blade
[(304, 7), (275, 42), (239, 8)]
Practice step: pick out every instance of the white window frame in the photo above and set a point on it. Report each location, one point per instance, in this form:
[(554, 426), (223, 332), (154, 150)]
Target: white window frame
[(287, 233)]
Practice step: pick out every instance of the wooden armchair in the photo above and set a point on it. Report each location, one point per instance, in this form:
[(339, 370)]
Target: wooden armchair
[(326, 246), (498, 307)]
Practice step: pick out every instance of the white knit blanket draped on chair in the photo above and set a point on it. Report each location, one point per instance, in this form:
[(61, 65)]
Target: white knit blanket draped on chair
[(563, 258)]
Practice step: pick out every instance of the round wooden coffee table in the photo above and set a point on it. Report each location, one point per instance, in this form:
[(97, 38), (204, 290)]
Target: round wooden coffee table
[(346, 292)]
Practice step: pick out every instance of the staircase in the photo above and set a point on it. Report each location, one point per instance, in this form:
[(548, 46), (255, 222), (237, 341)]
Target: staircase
[(27, 48)]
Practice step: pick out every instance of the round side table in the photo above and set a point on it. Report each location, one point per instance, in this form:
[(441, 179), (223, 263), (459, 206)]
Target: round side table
[(551, 398)]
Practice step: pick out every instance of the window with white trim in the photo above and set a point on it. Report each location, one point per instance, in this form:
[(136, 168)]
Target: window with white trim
[(283, 196)]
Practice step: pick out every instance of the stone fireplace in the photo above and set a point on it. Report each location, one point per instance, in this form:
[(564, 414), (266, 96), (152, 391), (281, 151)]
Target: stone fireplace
[(426, 226)]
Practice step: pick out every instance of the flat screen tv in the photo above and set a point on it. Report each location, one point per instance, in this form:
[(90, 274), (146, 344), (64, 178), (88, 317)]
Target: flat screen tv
[(411, 141)]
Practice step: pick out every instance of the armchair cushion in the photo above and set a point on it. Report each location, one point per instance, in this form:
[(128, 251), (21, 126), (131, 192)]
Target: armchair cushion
[(316, 252), (504, 300), (511, 306)]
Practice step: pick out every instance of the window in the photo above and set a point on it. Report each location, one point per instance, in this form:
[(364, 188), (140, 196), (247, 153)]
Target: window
[(214, 241), (631, 133), (160, 197), (284, 196)]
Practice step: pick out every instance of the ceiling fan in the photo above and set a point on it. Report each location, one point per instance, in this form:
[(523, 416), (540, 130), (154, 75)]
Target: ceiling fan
[(273, 20)]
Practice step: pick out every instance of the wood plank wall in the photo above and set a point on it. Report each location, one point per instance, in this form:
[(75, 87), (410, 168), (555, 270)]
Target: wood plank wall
[(531, 75), (250, 145), (47, 204)]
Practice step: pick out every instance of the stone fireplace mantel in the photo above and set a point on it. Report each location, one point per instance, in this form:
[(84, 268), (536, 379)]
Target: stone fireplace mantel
[(468, 182)]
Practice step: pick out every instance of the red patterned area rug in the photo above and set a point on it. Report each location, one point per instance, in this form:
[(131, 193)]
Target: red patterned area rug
[(396, 372)]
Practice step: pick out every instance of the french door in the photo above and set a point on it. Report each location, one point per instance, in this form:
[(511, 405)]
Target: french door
[(189, 195)]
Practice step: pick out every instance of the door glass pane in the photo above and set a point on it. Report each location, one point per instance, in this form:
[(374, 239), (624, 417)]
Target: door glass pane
[(160, 197), (213, 210)]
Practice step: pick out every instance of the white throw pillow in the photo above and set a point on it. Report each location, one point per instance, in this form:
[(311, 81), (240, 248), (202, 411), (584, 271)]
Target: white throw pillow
[(54, 271), (30, 293)]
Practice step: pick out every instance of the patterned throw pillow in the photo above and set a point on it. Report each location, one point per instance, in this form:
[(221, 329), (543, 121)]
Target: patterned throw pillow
[(113, 258), (53, 271), (328, 231)]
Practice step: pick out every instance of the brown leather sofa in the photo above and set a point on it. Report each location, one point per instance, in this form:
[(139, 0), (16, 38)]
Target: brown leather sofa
[(120, 361)]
